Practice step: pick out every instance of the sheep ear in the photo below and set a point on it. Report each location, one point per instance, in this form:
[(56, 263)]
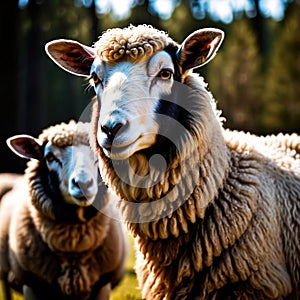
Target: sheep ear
[(71, 56), (25, 146), (199, 48)]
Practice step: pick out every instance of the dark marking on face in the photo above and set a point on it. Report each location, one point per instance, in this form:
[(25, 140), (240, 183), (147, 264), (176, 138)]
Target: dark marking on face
[(62, 211), (171, 49)]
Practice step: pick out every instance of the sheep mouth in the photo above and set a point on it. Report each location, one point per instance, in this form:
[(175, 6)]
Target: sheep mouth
[(121, 152), (83, 201), (127, 149)]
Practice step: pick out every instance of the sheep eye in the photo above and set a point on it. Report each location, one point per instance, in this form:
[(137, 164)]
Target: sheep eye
[(95, 78), (50, 157), (165, 74)]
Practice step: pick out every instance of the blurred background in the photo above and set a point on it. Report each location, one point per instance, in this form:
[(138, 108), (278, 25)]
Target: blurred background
[(255, 77)]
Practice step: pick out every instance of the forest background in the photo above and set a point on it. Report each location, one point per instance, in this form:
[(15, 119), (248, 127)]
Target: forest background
[(254, 77)]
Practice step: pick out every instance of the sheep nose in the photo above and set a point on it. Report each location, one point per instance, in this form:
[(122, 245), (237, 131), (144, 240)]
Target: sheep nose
[(80, 187), (111, 125)]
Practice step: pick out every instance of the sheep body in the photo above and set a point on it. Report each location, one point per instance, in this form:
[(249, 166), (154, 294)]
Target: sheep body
[(221, 220), (7, 182), (223, 242), (67, 252)]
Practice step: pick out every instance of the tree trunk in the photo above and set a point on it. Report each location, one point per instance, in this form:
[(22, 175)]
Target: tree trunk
[(10, 82), (35, 97), (96, 30), (258, 25)]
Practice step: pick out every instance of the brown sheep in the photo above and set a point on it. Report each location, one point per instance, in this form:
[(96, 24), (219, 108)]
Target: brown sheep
[(215, 213), (7, 182), (56, 239)]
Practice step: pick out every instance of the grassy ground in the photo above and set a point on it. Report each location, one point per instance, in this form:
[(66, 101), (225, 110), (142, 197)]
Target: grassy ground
[(128, 287), (126, 290)]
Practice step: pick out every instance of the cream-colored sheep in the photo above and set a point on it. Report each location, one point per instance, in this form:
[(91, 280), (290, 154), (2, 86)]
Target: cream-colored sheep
[(215, 213), (56, 239)]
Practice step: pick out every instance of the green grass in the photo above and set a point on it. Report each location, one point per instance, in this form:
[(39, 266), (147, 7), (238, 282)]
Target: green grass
[(15, 296), (127, 288)]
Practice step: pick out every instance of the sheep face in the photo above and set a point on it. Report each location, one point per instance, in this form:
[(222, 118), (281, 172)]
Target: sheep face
[(128, 95), (129, 86), (74, 167)]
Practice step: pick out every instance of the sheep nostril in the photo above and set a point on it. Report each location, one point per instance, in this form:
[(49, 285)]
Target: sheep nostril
[(111, 129), (75, 183)]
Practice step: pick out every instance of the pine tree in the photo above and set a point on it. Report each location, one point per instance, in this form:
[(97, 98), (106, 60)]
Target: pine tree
[(234, 77), (282, 87)]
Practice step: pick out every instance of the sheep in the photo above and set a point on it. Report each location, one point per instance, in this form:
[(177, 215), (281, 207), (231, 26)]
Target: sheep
[(56, 239), (214, 212), (7, 182)]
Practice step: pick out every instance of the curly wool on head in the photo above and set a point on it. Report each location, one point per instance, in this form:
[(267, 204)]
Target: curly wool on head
[(63, 135), (132, 43)]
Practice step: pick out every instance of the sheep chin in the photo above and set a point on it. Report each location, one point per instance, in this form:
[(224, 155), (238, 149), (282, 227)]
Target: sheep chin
[(117, 152), (84, 201)]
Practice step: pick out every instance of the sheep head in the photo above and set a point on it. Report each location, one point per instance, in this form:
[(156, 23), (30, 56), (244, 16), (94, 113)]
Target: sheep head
[(67, 157), (131, 70)]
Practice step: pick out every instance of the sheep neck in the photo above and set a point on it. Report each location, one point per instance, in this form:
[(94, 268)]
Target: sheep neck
[(180, 197), (200, 244), (77, 239)]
